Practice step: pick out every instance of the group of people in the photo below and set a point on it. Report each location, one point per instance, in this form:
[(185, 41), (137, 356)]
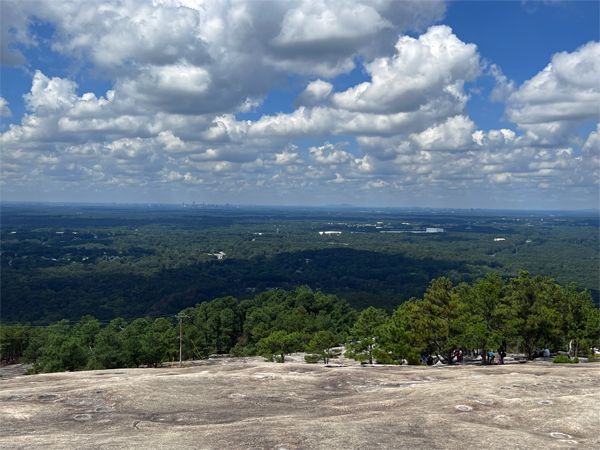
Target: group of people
[(539, 353), (428, 359), (491, 356), (487, 357)]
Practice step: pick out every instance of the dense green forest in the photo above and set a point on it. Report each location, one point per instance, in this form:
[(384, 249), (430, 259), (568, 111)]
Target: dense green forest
[(490, 313), (68, 261)]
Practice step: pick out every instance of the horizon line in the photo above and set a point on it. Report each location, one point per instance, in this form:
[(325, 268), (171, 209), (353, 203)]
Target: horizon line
[(252, 205)]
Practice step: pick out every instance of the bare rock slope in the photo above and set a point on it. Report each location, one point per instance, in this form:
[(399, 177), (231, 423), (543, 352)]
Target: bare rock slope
[(298, 406)]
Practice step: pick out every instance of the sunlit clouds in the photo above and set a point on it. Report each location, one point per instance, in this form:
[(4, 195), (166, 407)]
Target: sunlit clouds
[(189, 113)]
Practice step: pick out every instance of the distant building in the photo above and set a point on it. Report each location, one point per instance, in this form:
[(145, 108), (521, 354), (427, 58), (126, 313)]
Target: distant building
[(434, 230), (330, 232), (499, 239), (415, 230)]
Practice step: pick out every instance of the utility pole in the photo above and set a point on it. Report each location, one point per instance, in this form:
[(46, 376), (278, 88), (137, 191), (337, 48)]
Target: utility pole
[(180, 317)]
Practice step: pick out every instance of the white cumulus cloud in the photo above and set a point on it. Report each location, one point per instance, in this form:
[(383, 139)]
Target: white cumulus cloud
[(4, 109), (567, 89), (422, 69)]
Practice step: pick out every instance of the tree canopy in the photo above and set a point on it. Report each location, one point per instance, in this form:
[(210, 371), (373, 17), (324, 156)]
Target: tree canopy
[(524, 312)]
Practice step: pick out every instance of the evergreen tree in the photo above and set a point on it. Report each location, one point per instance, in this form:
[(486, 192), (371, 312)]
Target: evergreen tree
[(394, 341), (532, 315), (62, 350), (435, 321), (14, 340), (280, 343), (110, 349), (581, 320), (364, 335), (159, 343), (483, 306), (321, 347)]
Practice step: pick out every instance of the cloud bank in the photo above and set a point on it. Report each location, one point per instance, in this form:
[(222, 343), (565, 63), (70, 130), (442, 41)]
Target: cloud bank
[(183, 73)]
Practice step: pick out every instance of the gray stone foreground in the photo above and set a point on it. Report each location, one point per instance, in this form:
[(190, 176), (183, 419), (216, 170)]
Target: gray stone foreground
[(298, 406)]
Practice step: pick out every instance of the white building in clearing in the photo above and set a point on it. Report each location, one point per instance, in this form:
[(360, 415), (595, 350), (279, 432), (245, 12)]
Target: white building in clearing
[(219, 255), (337, 233), (434, 230), (499, 239)]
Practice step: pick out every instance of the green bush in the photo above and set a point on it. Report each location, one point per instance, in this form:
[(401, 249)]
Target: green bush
[(239, 351), (563, 359), (312, 359)]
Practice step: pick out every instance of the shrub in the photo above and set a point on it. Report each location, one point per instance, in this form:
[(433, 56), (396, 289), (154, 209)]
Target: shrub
[(312, 359), (239, 351), (563, 359)]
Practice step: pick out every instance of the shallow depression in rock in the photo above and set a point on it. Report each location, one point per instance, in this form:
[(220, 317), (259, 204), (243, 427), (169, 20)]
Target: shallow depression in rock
[(83, 417)]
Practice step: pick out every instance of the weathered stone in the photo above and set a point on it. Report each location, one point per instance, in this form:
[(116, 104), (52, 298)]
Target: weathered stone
[(267, 405)]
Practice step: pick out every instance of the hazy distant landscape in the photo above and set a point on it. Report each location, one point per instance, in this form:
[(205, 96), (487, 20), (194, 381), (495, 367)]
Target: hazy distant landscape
[(66, 261)]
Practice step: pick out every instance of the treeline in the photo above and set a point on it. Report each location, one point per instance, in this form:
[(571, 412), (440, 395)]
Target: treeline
[(525, 312)]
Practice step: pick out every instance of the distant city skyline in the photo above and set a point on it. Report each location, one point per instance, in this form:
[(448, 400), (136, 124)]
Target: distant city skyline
[(490, 105)]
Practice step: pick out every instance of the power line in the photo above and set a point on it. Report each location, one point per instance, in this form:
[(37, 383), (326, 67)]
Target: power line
[(76, 321)]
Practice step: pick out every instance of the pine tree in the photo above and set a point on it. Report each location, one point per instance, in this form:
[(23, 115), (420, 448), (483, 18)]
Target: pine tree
[(321, 347), (436, 321), (363, 337)]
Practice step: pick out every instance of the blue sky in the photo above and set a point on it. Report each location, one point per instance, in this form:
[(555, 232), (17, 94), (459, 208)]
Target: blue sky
[(460, 104)]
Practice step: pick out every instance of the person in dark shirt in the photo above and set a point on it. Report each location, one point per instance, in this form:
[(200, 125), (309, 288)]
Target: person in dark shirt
[(429, 360)]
